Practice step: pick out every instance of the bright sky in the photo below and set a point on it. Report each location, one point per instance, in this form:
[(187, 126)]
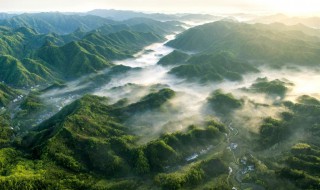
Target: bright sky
[(291, 7)]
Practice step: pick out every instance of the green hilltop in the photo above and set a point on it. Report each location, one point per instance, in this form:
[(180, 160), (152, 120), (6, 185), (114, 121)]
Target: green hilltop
[(213, 67), (272, 88), (223, 103)]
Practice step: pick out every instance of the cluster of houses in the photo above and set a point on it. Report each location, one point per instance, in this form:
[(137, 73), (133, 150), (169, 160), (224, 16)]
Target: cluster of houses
[(233, 146), (196, 155), (17, 99), (246, 166)]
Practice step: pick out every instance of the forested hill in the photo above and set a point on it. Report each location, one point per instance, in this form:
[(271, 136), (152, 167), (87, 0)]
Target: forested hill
[(31, 56)]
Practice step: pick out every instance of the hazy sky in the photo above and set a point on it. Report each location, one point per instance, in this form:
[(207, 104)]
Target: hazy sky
[(292, 7)]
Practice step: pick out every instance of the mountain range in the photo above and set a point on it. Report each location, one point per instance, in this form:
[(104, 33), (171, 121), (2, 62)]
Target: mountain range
[(212, 110), (35, 58), (227, 50), (252, 42)]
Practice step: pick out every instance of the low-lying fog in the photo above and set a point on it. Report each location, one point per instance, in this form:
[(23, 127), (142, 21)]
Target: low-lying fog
[(187, 106)]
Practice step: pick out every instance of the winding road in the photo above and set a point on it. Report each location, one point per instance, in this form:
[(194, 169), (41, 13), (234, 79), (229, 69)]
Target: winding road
[(237, 173)]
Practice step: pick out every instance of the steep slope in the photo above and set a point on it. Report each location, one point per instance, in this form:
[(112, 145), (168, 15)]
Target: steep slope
[(80, 137), (7, 94), (72, 60), (262, 43), (16, 69), (13, 42), (6, 132), (199, 38), (120, 44), (40, 68), (94, 52), (43, 58), (20, 42), (14, 73)]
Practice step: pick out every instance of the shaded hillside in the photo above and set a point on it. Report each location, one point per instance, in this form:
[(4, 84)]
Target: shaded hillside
[(72, 59), (146, 24), (302, 166), (147, 103), (174, 58), (223, 103), (143, 25), (6, 131), (301, 118), (216, 67), (272, 88), (297, 130)]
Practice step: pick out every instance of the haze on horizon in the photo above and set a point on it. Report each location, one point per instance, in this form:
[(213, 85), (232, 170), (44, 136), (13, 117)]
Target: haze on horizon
[(289, 7)]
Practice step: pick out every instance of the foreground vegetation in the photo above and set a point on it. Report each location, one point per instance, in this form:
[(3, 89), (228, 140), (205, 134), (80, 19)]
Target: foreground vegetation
[(85, 142), (96, 143)]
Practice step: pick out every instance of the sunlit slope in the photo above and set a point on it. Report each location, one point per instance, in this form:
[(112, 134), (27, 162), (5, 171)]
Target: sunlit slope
[(6, 94), (94, 52), (268, 44), (15, 72)]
